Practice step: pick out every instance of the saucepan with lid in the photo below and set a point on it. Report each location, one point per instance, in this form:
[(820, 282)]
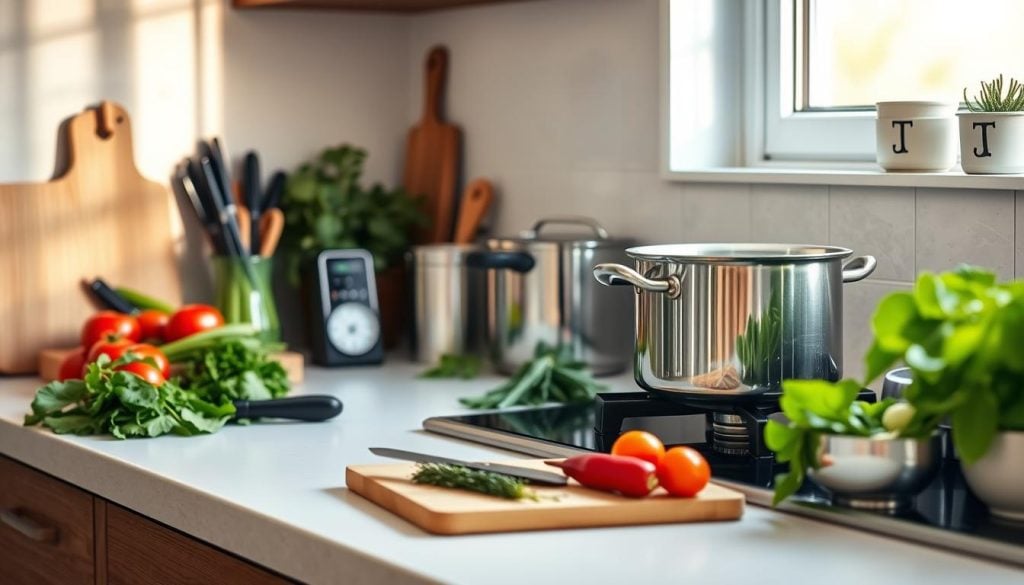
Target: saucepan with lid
[(731, 321), (540, 290)]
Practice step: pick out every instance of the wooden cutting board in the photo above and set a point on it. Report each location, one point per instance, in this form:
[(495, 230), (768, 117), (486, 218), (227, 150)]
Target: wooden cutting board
[(99, 217), (449, 511), (432, 156)]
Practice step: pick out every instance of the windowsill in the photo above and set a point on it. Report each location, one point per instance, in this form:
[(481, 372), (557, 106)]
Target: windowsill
[(860, 175)]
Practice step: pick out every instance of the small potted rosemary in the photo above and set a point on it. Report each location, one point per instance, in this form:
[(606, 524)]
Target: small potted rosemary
[(992, 130)]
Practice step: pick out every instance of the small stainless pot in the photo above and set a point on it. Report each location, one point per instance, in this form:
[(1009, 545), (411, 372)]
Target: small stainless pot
[(718, 321), (539, 289), (448, 302), (874, 473)]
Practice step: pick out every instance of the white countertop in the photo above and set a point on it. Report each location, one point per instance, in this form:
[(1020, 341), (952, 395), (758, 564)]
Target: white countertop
[(275, 494)]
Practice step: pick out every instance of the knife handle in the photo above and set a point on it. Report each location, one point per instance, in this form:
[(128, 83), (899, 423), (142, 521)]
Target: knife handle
[(311, 408)]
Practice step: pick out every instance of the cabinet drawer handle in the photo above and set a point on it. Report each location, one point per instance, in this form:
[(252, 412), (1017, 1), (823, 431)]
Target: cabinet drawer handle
[(28, 527)]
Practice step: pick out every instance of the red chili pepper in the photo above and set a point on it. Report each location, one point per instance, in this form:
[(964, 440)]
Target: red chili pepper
[(629, 476)]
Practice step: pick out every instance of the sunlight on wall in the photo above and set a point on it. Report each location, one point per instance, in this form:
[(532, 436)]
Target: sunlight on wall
[(58, 57)]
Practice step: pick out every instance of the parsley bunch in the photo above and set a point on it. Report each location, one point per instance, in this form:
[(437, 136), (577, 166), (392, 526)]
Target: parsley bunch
[(124, 405)]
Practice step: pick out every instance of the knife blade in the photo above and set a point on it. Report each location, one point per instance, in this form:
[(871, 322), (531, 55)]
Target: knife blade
[(534, 475)]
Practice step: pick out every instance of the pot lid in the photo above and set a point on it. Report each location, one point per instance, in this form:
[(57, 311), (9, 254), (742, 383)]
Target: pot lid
[(446, 254), (572, 230), (738, 253)]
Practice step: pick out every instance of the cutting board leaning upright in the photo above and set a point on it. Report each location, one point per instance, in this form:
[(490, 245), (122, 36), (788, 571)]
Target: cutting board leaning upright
[(99, 217)]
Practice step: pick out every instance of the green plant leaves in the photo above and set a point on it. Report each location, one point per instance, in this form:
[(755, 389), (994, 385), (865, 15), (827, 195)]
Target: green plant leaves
[(974, 425), (326, 207)]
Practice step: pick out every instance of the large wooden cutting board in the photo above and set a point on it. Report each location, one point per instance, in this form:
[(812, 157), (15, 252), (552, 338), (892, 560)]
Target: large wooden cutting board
[(432, 156), (99, 217), (448, 511)]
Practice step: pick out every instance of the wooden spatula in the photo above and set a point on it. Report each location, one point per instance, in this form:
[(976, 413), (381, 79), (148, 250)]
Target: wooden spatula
[(476, 200), (432, 155)]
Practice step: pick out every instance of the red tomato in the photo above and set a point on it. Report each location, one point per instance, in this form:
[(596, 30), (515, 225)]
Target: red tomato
[(152, 323), (145, 350), (683, 472), (71, 367), (144, 371), (110, 322), (192, 319), (110, 346), (640, 444)]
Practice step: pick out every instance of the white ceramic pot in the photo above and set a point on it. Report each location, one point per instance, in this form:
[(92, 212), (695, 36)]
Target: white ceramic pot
[(992, 142), (998, 477), (916, 109), (916, 144)]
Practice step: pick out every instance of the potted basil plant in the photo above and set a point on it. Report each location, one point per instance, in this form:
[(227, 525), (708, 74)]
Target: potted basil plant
[(992, 130), (961, 333)]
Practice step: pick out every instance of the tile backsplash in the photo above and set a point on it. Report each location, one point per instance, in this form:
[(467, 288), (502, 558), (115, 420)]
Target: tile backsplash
[(571, 126)]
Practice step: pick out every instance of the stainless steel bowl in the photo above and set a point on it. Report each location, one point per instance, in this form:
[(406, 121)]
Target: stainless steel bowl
[(876, 474)]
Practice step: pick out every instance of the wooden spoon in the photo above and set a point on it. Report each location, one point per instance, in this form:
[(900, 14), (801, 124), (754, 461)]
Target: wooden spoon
[(476, 200)]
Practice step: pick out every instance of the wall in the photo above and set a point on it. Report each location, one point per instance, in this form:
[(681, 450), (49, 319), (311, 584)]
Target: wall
[(559, 103)]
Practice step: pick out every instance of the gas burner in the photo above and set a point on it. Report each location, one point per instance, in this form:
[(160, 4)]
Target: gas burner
[(733, 429)]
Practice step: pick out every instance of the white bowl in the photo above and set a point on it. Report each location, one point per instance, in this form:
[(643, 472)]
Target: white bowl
[(992, 142), (916, 144), (916, 109), (998, 477)]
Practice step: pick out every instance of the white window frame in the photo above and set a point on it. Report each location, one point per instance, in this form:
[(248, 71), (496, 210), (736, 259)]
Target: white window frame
[(792, 135)]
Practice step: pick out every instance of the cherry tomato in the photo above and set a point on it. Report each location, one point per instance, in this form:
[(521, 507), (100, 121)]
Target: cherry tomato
[(144, 371), (192, 319), (110, 322), (111, 346), (145, 350), (683, 472), (152, 323), (71, 367), (639, 444)]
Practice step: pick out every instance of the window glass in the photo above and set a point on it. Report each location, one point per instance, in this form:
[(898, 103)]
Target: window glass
[(863, 51)]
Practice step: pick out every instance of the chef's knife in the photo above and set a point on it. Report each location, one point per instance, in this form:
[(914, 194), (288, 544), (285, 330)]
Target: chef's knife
[(253, 196), (533, 475), (312, 408)]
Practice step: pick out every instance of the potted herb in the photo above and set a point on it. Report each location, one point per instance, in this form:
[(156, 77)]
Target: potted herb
[(326, 207), (961, 333), (992, 131)]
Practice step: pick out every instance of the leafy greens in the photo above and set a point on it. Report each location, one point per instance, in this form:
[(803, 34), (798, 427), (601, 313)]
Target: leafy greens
[(124, 405)]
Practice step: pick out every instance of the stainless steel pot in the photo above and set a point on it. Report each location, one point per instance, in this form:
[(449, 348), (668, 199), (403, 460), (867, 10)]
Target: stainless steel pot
[(733, 320), (448, 302), (539, 289)]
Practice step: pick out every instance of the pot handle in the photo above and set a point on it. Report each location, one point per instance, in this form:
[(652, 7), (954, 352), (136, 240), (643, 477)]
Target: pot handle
[(859, 268), (618, 275), (496, 259), (599, 231)]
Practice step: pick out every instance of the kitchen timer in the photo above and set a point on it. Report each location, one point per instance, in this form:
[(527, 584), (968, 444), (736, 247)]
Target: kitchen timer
[(345, 319)]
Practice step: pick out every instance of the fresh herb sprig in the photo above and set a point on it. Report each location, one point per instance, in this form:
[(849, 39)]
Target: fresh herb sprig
[(233, 370), (484, 482), (553, 375), (124, 405), (990, 97), (465, 367)]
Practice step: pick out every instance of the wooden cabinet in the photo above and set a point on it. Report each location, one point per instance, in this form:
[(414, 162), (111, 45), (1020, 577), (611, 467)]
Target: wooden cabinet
[(46, 528), (53, 532), (142, 551), (375, 5)]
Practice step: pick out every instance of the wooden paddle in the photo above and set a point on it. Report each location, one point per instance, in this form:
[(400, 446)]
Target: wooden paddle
[(432, 155), (476, 200)]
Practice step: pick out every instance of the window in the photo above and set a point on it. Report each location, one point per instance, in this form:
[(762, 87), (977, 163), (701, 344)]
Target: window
[(826, 62)]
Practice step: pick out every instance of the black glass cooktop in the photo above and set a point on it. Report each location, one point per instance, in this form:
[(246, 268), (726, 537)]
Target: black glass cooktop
[(945, 514)]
